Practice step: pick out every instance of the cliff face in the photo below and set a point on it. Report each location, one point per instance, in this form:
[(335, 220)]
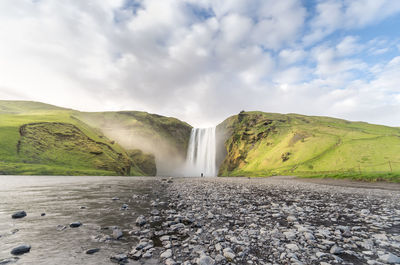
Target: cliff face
[(165, 138), (262, 144)]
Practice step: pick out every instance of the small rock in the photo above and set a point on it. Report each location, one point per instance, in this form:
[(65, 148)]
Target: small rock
[(206, 260), (390, 258), (115, 199), (147, 255), (117, 234), (140, 221), (136, 255), (219, 258), (155, 212), (164, 238), (119, 258), (228, 254), (336, 250), (124, 207), (75, 224), (61, 227), (292, 247), (170, 262), (20, 214), (21, 250), (166, 254), (92, 251)]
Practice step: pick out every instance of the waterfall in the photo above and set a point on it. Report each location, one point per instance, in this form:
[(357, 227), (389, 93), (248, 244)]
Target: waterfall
[(201, 153)]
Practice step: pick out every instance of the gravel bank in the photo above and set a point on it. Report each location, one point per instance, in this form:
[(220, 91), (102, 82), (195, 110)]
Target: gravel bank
[(276, 220)]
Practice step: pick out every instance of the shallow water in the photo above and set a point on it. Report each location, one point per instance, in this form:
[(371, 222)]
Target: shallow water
[(62, 198)]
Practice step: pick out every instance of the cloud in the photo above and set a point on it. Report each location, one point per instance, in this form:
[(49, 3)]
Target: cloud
[(200, 61), (333, 15)]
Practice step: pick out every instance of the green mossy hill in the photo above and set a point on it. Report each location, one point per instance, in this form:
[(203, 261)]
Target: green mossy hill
[(40, 139), (146, 162), (161, 139), (17, 107), (64, 144), (265, 144), (164, 137)]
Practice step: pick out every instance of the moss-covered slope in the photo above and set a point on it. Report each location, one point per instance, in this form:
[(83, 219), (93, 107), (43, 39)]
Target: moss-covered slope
[(40, 139), (37, 138), (262, 144), (164, 137)]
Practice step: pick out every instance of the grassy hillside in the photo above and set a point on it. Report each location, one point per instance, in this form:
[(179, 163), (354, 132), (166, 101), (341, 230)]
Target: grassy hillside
[(38, 139), (164, 137), (17, 107), (260, 144)]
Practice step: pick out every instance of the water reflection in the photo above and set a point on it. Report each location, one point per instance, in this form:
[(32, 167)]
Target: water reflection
[(65, 200)]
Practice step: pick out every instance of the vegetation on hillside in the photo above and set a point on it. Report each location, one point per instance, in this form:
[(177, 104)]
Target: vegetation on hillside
[(265, 144), (38, 138), (47, 140), (164, 137)]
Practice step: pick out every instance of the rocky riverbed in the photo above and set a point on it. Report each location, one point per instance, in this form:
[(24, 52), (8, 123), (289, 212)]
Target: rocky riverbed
[(277, 220)]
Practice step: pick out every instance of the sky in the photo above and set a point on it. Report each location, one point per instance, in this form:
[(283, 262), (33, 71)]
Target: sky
[(204, 60)]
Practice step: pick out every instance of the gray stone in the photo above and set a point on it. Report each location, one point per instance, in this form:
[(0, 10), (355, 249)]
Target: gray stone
[(170, 262), (22, 249), (117, 233), (219, 258), (336, 250), (166, 254), (390, 258), (136, 255), (141, 220), (292, 247), (20, 214), (206, 260), (92, 251), (75, 224), (119, 258), (148, 254)]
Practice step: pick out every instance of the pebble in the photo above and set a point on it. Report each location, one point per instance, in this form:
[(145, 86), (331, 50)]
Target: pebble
[(206, 260), (21, 249), (390, 258), (75, 224), (117, 233), (141, 220), (119, 258), (166, 254), (19, 214), (92, 251)]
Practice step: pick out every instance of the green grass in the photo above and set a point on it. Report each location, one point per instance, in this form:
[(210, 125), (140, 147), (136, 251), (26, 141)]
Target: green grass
[(99, 144), (59, 145), (369, 177), (265, 144)]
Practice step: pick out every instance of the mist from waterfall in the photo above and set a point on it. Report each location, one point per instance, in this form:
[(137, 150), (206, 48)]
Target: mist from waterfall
[(201, 154)]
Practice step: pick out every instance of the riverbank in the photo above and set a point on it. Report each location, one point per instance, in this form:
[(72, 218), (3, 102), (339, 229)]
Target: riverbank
[(277, 220)]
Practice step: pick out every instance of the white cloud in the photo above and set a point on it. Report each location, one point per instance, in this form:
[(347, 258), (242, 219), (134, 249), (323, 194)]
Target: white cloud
[(163, 57), (342, 14), (290, 56)]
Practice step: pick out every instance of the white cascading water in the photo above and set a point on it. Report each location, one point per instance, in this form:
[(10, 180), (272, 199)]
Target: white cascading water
[(201, 153)]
